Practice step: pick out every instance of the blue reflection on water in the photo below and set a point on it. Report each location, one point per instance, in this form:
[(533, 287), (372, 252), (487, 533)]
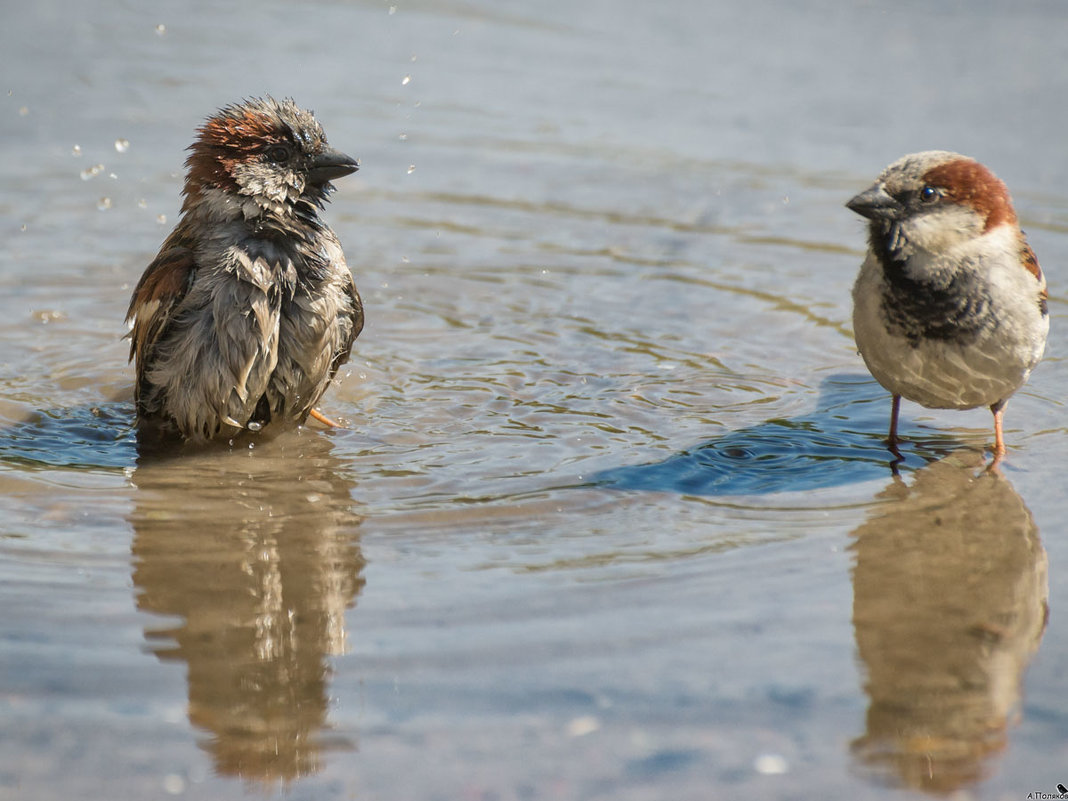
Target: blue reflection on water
[(841, 442), (98, 437)]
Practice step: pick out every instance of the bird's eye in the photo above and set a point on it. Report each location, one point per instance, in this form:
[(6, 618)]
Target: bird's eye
[(278, 153), (929, 194)]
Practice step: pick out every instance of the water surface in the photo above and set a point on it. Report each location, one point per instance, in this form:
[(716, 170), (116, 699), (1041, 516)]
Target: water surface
[(610, 516)]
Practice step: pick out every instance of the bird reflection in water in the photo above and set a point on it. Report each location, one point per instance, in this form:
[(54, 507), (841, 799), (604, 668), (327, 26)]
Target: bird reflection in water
[(950, 597), (257, 554)]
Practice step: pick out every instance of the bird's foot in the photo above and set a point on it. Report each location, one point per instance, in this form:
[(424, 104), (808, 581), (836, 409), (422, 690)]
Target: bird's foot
[(322, 418)]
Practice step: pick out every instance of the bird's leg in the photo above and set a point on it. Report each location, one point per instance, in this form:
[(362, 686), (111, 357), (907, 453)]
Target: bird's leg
[(999, 438), (322, 418), (891, 438)]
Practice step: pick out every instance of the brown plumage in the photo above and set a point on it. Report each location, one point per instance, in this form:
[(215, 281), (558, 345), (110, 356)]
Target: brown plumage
[(249, 309), (950, 306)]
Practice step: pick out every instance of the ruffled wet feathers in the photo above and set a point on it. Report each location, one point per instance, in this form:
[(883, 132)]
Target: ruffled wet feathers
[(248, 311)]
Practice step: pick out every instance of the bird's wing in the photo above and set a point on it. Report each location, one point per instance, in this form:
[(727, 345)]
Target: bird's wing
[(155, 299), (342, 355), (1030, 263)]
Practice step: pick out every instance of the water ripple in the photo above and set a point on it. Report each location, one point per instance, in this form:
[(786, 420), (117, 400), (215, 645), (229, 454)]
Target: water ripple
[(94, 437), (839, 443)]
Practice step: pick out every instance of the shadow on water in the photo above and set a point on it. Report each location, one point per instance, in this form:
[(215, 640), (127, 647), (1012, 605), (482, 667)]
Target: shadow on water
[(839, 443), (950, 601), (84, 437), (101, 438), (255, 558)]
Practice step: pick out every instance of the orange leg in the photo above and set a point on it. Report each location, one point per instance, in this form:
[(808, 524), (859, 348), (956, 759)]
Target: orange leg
[(999, 437), (322, 418)]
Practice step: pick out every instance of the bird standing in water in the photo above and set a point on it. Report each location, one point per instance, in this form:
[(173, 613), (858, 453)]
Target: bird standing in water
[(249, 309), (950, 304)]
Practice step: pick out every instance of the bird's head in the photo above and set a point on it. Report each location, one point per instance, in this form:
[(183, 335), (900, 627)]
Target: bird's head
[(934, 201), (264, 157)]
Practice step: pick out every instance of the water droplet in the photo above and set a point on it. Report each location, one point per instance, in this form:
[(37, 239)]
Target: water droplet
[(46, 316), (92, 172), (771, 764), (411, 168), (581, 726), (173, 784), (24, 110), (76, 150), (113, 176), (253, 425), (23, 227), (407, 79), (161, 29), (122, 145), (414, 57), (403, 137), (142, 204), (161, 219), (392, 10), (104, 203)]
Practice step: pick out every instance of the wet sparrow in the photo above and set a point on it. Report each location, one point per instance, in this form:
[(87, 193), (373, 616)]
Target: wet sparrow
[(950, 304), (249, 309)]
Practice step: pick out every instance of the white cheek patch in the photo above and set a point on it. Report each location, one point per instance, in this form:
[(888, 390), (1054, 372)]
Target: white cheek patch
[(267, 186), (249, 179), (947, 227)]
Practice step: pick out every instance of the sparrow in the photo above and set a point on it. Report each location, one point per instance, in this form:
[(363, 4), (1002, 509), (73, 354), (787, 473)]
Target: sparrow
[(249, 309), (949, 308)]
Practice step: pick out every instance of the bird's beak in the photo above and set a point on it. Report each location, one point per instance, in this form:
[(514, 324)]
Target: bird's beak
[(876, 204), (329, 164)]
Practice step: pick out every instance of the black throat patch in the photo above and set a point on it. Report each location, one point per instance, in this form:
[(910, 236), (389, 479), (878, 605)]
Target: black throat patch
[(952, 310)]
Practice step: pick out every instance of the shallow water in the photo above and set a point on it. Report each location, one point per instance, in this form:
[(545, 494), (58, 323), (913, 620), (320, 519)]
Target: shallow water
[(610, 517)]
